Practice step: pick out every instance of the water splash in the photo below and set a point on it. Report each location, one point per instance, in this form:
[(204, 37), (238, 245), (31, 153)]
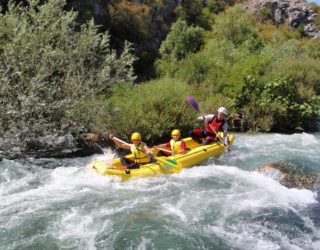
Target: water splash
[(220, 204)]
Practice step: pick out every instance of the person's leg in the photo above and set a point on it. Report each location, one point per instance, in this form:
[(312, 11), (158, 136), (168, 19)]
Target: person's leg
[(207, 141), (161, 153), (196, 135), (127, 164), (208, 138), (124, 161), (132, 165)]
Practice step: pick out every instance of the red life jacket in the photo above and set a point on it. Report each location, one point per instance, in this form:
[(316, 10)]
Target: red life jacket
[(215, 125)]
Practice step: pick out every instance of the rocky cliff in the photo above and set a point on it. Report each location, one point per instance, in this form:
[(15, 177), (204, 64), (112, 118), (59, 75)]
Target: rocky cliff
[(297, 13)]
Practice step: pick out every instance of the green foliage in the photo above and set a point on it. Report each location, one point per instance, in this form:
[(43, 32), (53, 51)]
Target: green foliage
[(275, 82), (266, 12), (293, 60), (47, 67), (282, 96), (129, 20), (208, 65), (315, 7), (316, 21), (269, 73), (180, 42), (215, 6), (275, 105), (312, 48), (194, 69), (142, 108), (192, 12), (234, 25)]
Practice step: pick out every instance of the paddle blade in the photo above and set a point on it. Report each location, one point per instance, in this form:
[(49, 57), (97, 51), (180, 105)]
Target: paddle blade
[(193, 103), (169, 164)]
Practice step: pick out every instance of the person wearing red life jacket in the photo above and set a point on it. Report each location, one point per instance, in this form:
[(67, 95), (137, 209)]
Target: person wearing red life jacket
[(176, 144), (213, 124)]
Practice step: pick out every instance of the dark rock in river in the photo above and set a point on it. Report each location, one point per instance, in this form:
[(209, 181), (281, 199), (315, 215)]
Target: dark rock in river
[(289, 174), (51, 145)]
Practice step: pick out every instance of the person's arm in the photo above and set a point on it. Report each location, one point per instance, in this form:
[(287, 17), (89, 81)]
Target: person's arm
[(183, 147), (119, 143), (205, 118), (147, 150), (167, 145)]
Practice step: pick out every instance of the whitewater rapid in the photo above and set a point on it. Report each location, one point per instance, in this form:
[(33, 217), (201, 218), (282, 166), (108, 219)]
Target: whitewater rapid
[(221, 204)]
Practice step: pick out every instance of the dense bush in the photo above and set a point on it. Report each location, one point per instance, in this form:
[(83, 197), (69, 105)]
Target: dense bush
[(192, 12), (215, 6), (48, 68), (280, 105), (129, 20), (153, 108), (235, 25)]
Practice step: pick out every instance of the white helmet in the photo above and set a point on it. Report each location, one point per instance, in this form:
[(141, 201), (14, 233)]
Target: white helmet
[(223, 110)]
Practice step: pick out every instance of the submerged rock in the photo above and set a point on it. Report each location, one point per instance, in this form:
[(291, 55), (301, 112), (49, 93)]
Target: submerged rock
[(290, 175)]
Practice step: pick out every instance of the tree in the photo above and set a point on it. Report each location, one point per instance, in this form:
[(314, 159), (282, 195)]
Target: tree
[(182, 40), (48, 66)]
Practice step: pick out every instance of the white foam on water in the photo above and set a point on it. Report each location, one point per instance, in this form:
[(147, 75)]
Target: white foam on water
[(74, 228), (309, 139), (145, 244), (170, 209), (246, 193), (258, 189), (209, 200)]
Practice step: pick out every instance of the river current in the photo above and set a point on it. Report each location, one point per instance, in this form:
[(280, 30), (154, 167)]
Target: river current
[(222, 203)]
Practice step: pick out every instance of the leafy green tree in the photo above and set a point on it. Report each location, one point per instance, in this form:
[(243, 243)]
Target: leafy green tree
[(235, 25), (181, 41), (47, 67)]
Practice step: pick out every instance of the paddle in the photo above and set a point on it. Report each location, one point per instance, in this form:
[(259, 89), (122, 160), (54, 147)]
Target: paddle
[(164, 150), (123, 142), (168, 164), (195, 105)]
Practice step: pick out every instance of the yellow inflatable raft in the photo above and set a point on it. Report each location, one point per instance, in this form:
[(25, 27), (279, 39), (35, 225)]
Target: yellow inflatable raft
[(163, 165)]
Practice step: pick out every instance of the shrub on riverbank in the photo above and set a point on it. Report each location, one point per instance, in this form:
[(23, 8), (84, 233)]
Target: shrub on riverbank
[(48, 67), (153, 108)]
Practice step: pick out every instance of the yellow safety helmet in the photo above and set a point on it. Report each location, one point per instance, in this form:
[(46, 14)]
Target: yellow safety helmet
[(175, 132), (135, 136)]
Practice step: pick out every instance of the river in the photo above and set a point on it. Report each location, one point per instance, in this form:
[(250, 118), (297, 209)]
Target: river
[(221, 204)]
